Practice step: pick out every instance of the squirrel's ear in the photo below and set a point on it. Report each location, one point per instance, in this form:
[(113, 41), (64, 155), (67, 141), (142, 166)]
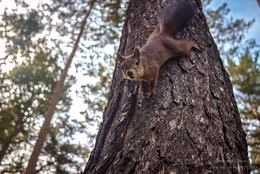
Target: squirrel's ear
[(137, 53), (120, 57)]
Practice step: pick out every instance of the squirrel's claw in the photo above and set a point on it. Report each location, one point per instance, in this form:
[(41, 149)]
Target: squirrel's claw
[(199, 47), (148, 94)]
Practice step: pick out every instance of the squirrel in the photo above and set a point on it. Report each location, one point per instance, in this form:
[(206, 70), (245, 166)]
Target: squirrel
[(144, 63)]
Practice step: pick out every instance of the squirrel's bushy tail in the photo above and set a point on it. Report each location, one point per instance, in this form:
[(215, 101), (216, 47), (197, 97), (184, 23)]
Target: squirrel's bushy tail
[(175, 16)]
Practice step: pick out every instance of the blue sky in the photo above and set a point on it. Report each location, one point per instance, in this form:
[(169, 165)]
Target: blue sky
[(243, 9)]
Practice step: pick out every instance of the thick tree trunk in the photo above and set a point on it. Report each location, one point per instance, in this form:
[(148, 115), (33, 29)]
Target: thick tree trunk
[(191, 125)]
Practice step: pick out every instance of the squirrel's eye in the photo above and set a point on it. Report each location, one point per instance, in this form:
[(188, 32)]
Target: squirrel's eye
[(137, 63)]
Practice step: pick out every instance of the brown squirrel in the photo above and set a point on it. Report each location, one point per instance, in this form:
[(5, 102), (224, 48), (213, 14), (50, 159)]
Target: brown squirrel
[(144, 63)]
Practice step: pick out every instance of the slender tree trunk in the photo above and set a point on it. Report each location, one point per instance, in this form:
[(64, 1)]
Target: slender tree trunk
[(192, 125), (57, 92)]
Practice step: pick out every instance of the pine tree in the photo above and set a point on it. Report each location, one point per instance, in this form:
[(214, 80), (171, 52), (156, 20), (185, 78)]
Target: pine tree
[(24, 92), (246, 79), (191, 125), (54, 98)]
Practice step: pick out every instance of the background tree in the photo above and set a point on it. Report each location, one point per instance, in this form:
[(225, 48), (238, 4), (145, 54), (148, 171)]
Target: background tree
[(25, 27), (194, 101), (24, 92), (26, 89), (228, 33), (93, 59), (54, 98), (246, 78), (66, 24)]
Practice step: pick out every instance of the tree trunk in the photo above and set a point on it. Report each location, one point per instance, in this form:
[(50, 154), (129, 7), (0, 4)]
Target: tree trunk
[(55, 97), (192, 125)]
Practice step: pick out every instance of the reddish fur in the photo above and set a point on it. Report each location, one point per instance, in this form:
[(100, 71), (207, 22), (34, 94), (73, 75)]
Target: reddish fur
[(160, 47)]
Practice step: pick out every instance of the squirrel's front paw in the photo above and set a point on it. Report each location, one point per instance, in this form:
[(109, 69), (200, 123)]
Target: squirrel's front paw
[(148, 94), (200, 47)]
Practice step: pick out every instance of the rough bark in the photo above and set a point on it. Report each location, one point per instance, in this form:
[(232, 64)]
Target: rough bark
[(55, 97), (192, 125)]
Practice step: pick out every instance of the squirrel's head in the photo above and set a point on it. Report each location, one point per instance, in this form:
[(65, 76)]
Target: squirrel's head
[(131, 66)]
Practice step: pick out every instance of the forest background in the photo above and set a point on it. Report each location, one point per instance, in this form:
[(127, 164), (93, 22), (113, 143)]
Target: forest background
[(36, 38)]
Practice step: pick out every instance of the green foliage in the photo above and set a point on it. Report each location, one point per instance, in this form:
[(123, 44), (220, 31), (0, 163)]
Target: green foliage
[(228, 33), (102, 36), (111, 14), (245, 73), (24, 97), (100, 89), (62, 155), (25, 28), (104, 28)]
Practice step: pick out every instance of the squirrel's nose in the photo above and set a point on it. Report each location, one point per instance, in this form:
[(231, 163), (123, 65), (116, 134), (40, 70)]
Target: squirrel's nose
[(130, 74)]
